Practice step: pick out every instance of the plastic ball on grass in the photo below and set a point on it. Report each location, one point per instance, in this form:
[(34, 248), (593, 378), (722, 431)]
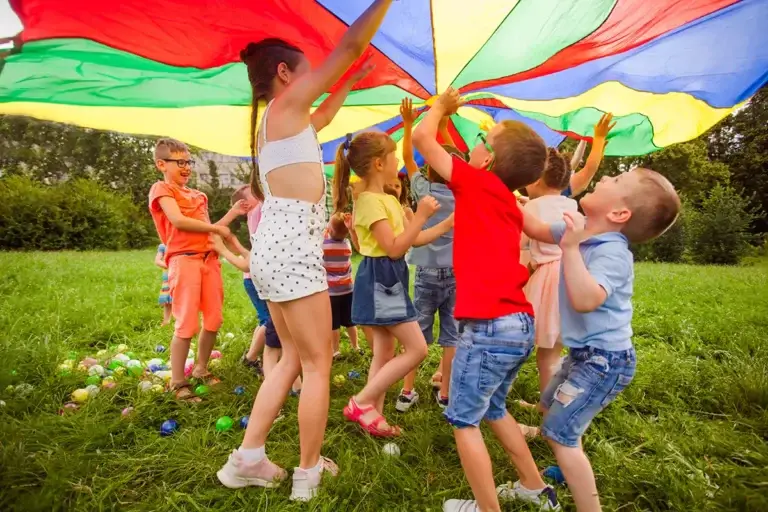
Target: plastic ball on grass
[(114, 365), (2, 403), (80, 395), (215, 354), (202, 390), (229, 335), (65, 370), (68, 407), (244, 422), (214, 363), (157, 388), (88, 362), (224, 423), (96, 369), (240, 390), (120, 371), (108, 383), (391, 449), (339, 380), (130, 355), (92, 390), (121, 357), (101, 354), (23, 389), (93, 380), (155, 360), (354, 374), (145, 386), (136, 371), (168, 428), (159, 349), (126, 412), (122, 348)]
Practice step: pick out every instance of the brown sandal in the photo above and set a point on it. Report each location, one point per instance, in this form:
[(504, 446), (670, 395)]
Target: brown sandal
[(185, 393), (208, 379)]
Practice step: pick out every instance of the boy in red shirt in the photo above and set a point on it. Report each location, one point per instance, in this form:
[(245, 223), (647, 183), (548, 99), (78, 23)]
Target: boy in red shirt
[(181, 218), (495, 318)]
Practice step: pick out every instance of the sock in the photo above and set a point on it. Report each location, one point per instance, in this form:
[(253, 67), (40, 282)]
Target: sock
[(407, 392), (521, 489), (252, 454), (443, 397), (315, 470)]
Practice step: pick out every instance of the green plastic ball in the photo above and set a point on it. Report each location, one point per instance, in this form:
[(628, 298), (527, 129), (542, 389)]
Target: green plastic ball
[(93, 379), (202, 390), (136, 371), (224, 423), (115, 364)]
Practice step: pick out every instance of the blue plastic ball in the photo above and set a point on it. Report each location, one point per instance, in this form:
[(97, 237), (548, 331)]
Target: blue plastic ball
[(244, 421), (168, 427), (154, 368), (354, 374), (159, 349), (240, 390), (554, 473)]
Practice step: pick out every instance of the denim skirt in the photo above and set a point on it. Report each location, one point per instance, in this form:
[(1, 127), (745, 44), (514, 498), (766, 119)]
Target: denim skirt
[(380, 294)]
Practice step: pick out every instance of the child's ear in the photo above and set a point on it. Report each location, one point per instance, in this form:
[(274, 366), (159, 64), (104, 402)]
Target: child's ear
[(160, 164), (620, 216)]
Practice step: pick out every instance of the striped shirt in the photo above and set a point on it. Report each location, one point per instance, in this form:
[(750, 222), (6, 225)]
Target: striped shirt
[(337, 259)]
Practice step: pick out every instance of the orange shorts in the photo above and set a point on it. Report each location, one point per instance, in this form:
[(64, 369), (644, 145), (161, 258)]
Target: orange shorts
[(196, 287)]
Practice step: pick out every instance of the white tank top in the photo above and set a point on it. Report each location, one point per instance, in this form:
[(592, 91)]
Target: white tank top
[(300, 148)]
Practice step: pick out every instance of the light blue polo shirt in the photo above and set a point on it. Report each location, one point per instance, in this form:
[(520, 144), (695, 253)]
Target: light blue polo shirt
[(438, 254), (610, 262)]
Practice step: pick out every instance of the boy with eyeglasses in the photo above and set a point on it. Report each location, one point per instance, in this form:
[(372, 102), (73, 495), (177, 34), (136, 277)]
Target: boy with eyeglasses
[(181, 218)]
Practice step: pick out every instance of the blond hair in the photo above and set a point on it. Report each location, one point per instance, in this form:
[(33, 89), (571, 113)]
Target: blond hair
[(654, 204), (357, 154)]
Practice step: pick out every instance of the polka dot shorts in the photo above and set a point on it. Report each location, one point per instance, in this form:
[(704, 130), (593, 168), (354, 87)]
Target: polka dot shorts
[(287, 250)]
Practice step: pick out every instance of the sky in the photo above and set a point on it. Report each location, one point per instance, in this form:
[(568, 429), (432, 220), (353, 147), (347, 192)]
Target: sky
[(9, 22)]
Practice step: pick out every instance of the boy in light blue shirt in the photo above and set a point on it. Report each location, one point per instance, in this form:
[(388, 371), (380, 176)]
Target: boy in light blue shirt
[(596, 310)]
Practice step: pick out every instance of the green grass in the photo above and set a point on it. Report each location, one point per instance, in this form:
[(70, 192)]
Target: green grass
[(688, 434)]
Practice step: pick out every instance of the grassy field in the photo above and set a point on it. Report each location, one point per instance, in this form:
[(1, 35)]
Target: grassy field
[(688, 434)]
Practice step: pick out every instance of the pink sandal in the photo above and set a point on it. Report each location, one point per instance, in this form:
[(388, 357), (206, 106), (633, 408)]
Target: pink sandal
[(354, 412)]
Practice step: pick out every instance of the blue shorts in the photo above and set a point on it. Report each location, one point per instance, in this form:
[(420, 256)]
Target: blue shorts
[(435, 292), (487, 361), (380, 294), (588, 380), (262, 311)]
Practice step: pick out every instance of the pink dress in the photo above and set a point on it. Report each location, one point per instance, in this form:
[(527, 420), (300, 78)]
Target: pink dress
[(543, 286), (252, 219)]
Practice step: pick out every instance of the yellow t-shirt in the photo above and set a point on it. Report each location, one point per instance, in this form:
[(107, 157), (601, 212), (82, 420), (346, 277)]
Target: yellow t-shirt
[(371, 208)]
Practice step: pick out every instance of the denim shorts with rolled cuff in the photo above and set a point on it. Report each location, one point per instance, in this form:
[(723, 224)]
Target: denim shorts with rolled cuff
[(587, 382), (488, 359), (435, 292)]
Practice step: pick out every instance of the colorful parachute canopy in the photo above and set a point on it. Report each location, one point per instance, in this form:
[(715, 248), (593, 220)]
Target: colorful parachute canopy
[(667, 69)]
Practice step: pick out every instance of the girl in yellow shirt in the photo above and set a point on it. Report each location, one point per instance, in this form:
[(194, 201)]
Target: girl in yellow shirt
[(380, 297)]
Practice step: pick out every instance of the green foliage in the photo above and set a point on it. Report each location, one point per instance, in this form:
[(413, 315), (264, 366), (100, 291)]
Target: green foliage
[(719, 229), (77, 214), (669, 247), (688, 167), (689, 433)]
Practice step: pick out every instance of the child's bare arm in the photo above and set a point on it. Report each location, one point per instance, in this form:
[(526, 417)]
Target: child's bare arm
[(184, 223), (424, 136), (536, 229), (406, 111), (349, 221), (581, 179), (233, 242), (324, 114), (442, 130), (584, 292), (160, 260), (429, 235), (238, 209), (396, 246), (219, 247)]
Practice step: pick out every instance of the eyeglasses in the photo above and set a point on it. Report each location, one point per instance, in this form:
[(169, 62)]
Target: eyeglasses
[(181, 162), (481, 139)]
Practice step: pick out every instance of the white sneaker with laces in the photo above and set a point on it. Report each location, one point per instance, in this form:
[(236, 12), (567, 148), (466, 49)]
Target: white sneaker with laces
[(306, 483), (460, 506), (405, 402), (545, 498)]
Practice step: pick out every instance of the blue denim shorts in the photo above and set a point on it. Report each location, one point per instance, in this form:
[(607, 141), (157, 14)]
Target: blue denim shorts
[(487, 361), (435, 292), (588, 380), (262, 311), (380, 295)]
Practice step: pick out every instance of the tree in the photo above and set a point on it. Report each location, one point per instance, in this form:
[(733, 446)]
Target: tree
[(688, 167)]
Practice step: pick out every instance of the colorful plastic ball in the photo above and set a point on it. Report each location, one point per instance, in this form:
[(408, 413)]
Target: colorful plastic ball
[(145, 386), (68, 407), (130, 355), (65, 370), (80, 395), (157, 388), (114, 364), (554, 473), (354, 374), (122, 348), (120, 371), (9, 388), (93, 379), (127, 411), (108, 383), (215, 354), (92, 389), (168, 427), (155, 360), (96, 369), (339, 380), (159, 349), (229, 335), (2, 403), (214, 363), (121, 357), (244, 421), (188, 368), (240, 390), (224, 423), (154, 368), (133, 362), (136, 371), (101, 353), (165, 375), (391, 449), (202, 390), (88, 362)]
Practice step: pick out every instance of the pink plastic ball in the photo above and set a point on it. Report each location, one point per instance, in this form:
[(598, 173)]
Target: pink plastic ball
[(215, 354), (188, 369)]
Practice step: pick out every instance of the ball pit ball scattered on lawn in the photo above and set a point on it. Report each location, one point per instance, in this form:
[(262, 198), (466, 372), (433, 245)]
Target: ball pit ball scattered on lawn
[(339, 380), (133, 362), (23, 389), (93, 379), (168, 427), (157, 388), (101, 354), (108, 383), (3, 404), (68, 407), (224, 423), (240, 390), (391, 449), (136, 371), (121, 357), (354, 374), (65, 370), (88, 362), (127, 411), (155, 361), (229, 335), (214, 363), (154, 368), (244, 422), (159, 349), (145, 386), (122, 348), (80, 395), (202, 390), (165, 375), (215, 354), (120, 371), (92, 390), (96, 369)]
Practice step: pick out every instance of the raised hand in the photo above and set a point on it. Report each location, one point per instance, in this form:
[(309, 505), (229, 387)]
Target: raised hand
[(406, 111), (427, 207), (574, 230), (604, 126), (449, 102)]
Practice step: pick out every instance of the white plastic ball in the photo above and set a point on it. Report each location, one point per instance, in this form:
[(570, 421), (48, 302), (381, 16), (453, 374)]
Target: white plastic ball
[(132, 363), (92, 390), (145, 386), (121, 357), (229, 335), (391, 449), (96, 369), (156, 361)]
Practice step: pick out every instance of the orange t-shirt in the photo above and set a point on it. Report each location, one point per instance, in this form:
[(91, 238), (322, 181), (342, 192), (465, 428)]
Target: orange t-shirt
[(193, 204)]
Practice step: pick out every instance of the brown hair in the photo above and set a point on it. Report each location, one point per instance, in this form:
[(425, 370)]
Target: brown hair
[(240, 193), (654, 204), (164, 148), (557, 173), (336, 227), (520, 155), (357, 154), (405, 190), (262, 59), (452, 150)]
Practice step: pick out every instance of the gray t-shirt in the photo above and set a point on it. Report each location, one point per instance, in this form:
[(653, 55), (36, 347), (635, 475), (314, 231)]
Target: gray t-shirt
[(438, 254)]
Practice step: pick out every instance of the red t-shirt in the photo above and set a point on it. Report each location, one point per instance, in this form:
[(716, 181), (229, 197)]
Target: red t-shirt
[(193, 204), (486, 246)]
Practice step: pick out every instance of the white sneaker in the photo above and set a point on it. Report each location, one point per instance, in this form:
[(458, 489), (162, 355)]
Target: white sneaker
[(306, 483), (238, 473), (405, 402), (545, 498), (460, 506)]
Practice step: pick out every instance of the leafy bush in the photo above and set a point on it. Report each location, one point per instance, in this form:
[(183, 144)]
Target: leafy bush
[(77, 214), (669, 247), (719, 229)]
